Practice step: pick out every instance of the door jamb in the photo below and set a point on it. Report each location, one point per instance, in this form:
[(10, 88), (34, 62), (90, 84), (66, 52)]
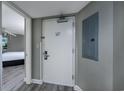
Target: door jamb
[(74, 52)]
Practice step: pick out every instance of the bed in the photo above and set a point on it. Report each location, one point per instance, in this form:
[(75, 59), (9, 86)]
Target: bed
[(12, 58)]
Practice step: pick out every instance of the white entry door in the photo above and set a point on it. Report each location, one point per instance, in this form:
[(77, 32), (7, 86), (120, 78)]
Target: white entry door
[(58, 56)]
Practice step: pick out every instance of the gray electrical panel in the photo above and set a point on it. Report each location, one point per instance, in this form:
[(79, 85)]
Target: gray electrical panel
[(90, 27)]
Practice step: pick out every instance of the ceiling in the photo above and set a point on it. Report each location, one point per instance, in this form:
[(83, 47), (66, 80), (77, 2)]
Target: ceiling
[(38, 9), (12, 21)]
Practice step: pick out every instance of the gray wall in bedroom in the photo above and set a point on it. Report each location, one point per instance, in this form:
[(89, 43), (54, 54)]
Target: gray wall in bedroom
[(118, 46), (16, 43), (92, 75), (36, 39), (0, 44)]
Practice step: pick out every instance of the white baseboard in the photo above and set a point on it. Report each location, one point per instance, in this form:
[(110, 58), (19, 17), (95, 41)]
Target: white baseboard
[(36, 81), (77, 88)]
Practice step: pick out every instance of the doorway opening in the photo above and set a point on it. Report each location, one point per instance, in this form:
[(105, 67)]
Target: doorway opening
[(59, 51), (13, 49)]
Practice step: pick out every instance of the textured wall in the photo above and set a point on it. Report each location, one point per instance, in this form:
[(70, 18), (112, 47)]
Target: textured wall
[(96, 75), (36, 39), (16, 43), (118, 46)]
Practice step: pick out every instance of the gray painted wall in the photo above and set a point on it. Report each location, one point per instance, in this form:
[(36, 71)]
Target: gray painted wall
[(93, 75), (118, 46), (36, 39), (107, 73), (16, 43)]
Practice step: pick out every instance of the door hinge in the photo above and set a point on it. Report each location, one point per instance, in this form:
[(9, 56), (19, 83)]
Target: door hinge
[(72, 77), (73, 51), (42, 37), (73, 24)]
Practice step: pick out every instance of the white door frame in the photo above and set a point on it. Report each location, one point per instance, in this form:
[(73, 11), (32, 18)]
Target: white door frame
[(74, 50), (0, 45), (28, 43)]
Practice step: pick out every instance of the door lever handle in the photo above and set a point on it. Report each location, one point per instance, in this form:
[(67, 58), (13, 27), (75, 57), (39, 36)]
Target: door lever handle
[(46, 55)]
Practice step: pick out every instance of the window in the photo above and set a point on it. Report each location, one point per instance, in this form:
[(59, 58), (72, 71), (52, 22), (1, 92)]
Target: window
[(4, 41)]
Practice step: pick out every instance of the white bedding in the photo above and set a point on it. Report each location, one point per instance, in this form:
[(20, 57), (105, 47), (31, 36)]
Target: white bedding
[(9, 56)]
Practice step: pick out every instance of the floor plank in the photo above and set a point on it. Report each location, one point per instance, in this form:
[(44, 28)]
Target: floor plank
[(13, 81), (13, 77), (44, 87)]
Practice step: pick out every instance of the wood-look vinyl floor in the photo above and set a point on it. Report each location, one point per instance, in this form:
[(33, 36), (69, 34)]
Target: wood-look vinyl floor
[(13, 81), (44, 87), (13, 77)]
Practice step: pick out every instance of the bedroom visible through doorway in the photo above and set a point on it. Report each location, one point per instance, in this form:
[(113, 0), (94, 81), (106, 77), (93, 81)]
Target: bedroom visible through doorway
[(13, 48)]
